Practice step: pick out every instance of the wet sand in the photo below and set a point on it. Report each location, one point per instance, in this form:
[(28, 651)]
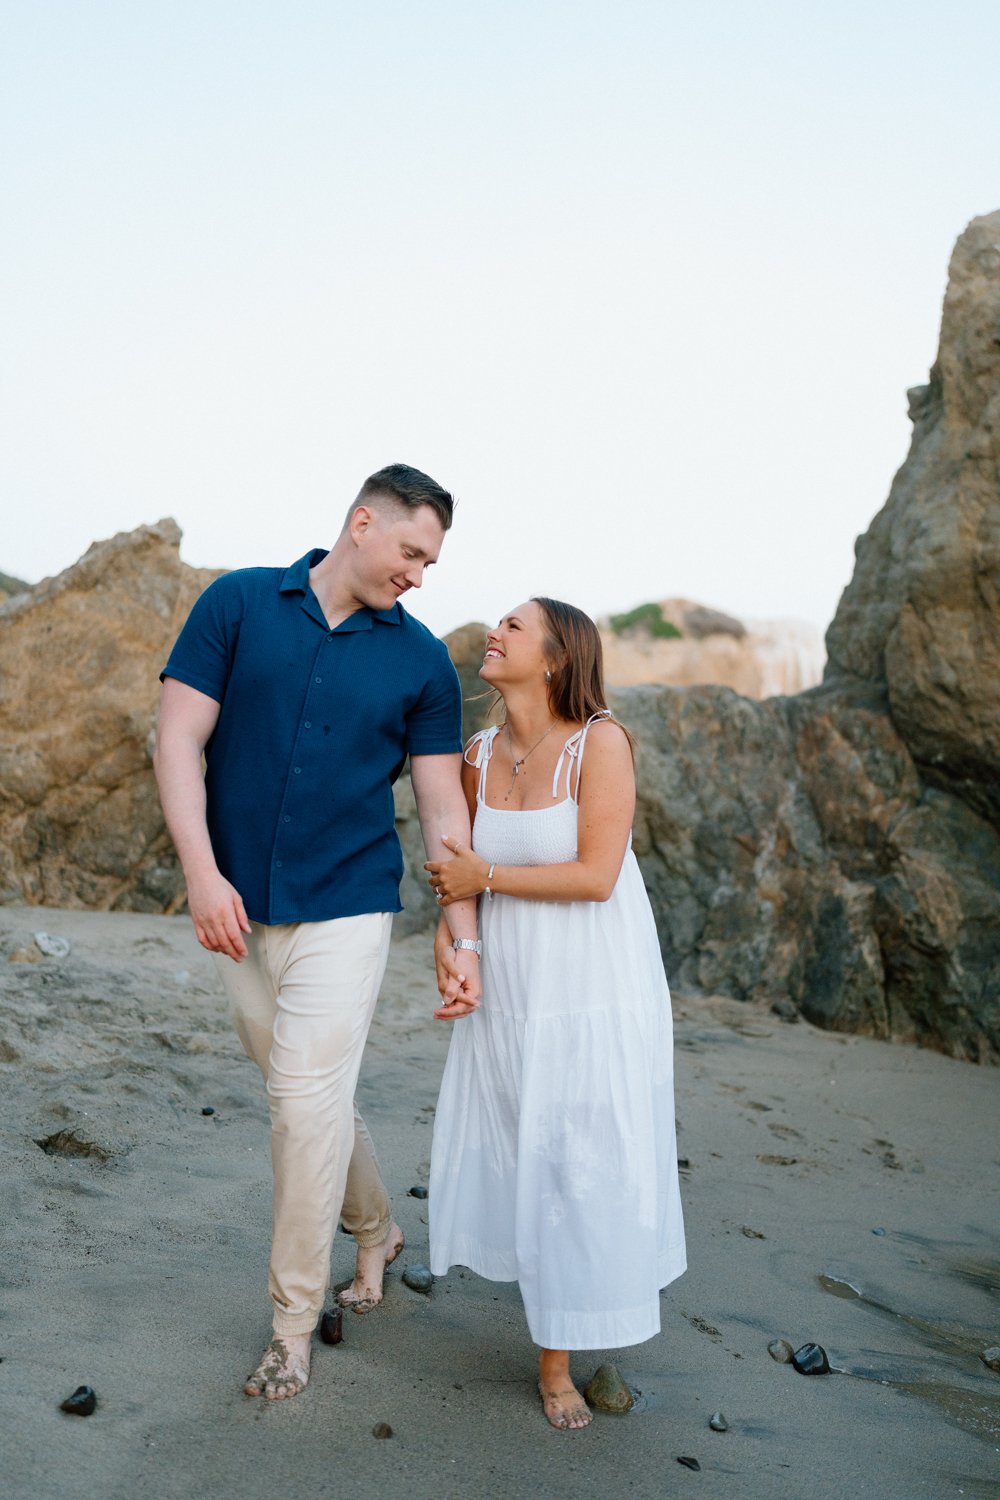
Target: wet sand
[(139, 1266)]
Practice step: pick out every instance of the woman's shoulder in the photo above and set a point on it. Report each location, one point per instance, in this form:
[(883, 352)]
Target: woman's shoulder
[(604, 730), (479, 743)]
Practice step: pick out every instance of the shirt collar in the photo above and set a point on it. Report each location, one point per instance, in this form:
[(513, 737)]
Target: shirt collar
[(295, 580)]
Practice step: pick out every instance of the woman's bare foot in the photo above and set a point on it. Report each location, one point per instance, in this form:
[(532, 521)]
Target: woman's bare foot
[(564, 1407), (365, 1291), (284, 1368)]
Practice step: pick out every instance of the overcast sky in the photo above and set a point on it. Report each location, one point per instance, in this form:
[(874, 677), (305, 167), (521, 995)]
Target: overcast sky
[(643, 283)]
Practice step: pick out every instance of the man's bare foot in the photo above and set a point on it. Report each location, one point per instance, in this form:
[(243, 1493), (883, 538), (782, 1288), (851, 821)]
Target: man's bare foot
[(564, 1407), (365, 1291), (284, 1368)]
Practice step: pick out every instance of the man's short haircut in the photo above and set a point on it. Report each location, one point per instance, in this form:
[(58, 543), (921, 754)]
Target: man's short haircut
[(407, 487)]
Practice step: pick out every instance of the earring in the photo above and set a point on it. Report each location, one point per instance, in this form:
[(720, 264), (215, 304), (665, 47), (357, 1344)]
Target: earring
[(548, 677)]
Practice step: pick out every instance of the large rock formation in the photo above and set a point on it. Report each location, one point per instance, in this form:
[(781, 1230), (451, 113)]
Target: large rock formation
[(759, 659), (840, 849), (80, 823)]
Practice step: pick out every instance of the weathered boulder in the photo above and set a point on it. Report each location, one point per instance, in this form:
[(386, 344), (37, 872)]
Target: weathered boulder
[(80, 822), (841, 848), (921, 616)]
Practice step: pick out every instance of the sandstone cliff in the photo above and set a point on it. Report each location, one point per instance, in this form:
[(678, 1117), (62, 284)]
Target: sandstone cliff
[(80, 824), (758, 659), (837, 850)]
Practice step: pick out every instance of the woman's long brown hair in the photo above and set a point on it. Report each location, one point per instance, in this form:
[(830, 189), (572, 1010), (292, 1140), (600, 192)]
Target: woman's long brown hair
[(576, 661)]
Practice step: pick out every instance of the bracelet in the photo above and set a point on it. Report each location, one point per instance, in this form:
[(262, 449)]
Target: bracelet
[(489, 877), (473, 945)]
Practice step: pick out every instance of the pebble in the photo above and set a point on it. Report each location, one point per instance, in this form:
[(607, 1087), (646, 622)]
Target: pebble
[(810, 1359), (419, 1278), (991, 1358), (683, 1164), (785, 1009), (82, 1402), (209, 1109), (607, 1391), (781, 1350), (417, 1191), (688, 1461), (52, 947), (381, 1430), (717, 1422), (880, 1232), (331, 1326)]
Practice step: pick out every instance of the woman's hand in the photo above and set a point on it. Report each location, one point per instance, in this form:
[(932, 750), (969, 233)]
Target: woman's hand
[(453, 977), (458, 878)]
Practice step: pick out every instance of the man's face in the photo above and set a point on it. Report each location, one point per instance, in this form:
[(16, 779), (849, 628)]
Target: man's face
[(394, 547)]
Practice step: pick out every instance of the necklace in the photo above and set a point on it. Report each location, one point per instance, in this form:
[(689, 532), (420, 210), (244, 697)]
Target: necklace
[(519, 763)]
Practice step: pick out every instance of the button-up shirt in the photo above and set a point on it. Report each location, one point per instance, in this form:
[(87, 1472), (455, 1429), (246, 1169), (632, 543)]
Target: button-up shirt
[(314, 727)]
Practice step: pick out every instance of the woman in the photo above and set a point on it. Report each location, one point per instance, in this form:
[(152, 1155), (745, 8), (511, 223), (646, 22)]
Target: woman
[(554, 1158)]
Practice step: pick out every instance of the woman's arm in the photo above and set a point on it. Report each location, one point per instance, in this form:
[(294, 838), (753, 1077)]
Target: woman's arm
[(607, 804)]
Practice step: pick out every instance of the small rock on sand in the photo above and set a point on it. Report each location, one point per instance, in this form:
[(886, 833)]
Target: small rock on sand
[(991, 1357), (82, 1403), (781, 1350), (418, 1278), (607, 1391)]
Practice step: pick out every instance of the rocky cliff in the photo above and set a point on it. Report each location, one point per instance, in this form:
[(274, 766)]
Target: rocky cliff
[(759, 659), (80, 823), (839, 850)]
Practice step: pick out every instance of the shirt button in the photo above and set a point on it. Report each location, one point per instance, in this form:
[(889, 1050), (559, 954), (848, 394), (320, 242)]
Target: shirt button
[(278, 863), (317, 679), (298, 770), (307, 724), (330, 636), (286, 819)]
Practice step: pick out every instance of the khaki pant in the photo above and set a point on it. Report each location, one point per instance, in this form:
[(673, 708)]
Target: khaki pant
[(302, 1002)]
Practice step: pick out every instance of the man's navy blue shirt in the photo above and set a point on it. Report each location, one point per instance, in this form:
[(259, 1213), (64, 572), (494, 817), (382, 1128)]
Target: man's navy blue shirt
[(314, 727)]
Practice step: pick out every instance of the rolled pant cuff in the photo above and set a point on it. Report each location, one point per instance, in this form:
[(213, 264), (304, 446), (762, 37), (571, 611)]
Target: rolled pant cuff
[(285, 1323), (366, 1238)]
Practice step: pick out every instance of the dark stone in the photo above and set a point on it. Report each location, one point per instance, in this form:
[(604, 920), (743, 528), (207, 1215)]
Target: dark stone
[(382, 1430), (331, 1326), (717, 1422), (82, 1403), (810, 1359), (991, 1358), (607, 1391), (879, 1232), (418, 1278), (683, 1164), (209, 1109), (417, 1191), (688, 1461), (781, 1350), (785, 1009)]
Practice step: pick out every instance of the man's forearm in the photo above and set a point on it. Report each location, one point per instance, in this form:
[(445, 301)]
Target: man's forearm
[(181, 785)]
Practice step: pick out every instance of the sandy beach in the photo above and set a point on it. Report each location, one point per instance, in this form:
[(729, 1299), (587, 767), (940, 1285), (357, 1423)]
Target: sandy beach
[(837, 1190)]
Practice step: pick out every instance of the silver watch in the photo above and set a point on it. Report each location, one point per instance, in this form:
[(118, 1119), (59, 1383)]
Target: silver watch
[(475, 947)]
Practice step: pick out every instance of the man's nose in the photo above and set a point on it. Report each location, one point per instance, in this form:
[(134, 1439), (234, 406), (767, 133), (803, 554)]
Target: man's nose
[(415, 575)]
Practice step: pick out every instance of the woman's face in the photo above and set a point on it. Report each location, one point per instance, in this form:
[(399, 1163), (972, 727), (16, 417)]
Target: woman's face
[(515, 650)]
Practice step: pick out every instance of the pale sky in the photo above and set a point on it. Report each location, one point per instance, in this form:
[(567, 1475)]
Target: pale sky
[(643, 283)]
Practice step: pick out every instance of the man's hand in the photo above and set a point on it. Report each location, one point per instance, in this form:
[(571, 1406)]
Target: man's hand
[(218, 915), (457, 977)]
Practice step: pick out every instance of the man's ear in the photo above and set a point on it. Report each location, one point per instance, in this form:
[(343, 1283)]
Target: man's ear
[(362, 521)]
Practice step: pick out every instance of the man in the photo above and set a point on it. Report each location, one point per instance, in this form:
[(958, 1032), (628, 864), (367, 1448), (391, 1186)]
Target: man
[(306, 688)]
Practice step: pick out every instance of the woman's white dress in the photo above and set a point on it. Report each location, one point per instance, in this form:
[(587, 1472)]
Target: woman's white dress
[(554, 1159)]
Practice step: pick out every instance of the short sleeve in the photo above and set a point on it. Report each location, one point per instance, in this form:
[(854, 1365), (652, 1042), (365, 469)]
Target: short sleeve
[(434, 724), (203, 652)]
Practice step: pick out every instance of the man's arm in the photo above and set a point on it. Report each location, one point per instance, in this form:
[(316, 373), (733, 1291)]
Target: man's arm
[(187, 718), (442, 809)]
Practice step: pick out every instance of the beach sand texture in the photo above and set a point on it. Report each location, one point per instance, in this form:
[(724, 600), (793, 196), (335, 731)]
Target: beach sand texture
[(140, 1268)]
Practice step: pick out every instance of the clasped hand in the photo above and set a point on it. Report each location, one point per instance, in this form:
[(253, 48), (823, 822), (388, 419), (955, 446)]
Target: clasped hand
[(459, 878)]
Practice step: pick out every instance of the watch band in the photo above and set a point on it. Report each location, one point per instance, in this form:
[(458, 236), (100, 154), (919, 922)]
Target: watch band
[(472, 946)]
